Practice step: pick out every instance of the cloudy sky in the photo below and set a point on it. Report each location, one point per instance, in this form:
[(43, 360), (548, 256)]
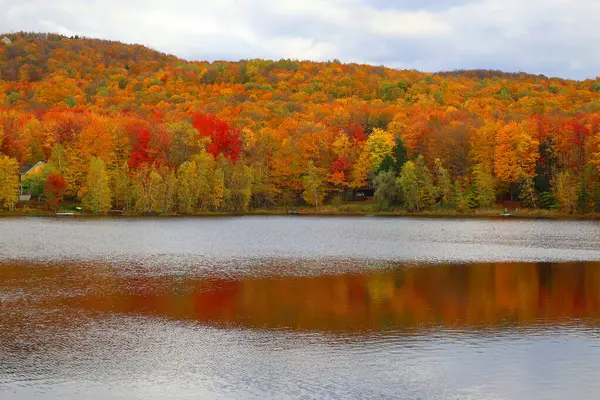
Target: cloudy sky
[(552, 37)]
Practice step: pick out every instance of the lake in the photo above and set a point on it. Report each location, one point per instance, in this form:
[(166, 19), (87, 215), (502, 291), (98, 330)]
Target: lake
[(299, 307)]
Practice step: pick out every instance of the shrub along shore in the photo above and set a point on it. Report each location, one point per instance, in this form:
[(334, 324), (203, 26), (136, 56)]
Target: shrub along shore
[(366, 210)]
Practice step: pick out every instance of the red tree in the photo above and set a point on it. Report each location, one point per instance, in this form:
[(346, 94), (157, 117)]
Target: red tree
[(141, 152), (340, 171), (342, 164), (54, 189), (357, 132), (225, 139)]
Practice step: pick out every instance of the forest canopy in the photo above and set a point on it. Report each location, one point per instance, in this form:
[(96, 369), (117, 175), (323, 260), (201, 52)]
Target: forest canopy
[(130, 128)]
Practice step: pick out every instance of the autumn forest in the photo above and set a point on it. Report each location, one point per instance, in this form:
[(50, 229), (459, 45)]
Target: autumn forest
[(125, 127)]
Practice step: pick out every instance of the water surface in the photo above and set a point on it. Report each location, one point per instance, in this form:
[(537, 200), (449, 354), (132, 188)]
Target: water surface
[(299, 308)]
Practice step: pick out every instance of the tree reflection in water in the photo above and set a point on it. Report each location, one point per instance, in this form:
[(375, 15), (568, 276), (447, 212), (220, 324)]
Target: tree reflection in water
[(412, 298)]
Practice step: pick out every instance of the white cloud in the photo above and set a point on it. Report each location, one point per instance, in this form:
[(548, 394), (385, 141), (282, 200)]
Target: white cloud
[(555, 37), (407, 24)]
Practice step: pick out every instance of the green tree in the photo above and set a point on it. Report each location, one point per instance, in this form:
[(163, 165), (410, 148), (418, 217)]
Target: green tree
[(464, 196), (389, 191), (400, 153), (392, 91), (97, 196), (388, 164), (428, 191), (9, 182), (409, 182), (444, 184), (34, 185), (396, 159)]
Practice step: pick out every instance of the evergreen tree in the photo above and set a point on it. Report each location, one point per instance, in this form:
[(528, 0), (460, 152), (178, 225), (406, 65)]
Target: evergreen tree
[(528, 194)]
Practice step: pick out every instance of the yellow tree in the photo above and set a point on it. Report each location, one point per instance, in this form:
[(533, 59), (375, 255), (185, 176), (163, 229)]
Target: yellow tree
[(9, 182), (381, 144), (206, 180), (565, 189), (217, 198), (516, 152), (97, 196), (121, 187), (483, 144), (35, 131), (187, 187), (361, 168), (484, 185), (313, 183), (240, 188), (95, 140)]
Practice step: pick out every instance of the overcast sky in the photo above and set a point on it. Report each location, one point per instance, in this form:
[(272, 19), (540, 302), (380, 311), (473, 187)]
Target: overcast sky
[(552, 37)]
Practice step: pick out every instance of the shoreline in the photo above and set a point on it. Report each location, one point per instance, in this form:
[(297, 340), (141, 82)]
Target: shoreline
[(478, 214)]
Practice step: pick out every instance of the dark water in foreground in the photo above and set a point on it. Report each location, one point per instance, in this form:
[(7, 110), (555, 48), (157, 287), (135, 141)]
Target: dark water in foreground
[(288, 308)]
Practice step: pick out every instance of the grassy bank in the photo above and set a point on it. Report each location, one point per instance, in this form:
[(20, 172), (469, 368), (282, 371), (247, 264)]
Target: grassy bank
[(343, 210)]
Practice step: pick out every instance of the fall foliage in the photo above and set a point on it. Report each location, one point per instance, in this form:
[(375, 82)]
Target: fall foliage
[(9, 182), (54, 189), (186, 137)]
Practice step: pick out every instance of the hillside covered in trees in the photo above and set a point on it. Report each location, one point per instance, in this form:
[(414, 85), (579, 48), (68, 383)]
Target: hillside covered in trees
[(122, 126)]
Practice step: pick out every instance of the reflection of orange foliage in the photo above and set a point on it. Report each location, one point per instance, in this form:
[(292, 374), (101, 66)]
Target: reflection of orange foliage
[(457, 296), (217, 299)]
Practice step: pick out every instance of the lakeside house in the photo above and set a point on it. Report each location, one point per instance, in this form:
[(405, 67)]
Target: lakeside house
[(6, 40), (28, 171), (364, 193)]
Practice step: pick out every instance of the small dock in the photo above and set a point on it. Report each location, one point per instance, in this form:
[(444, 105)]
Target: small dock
[(65, 214), (116, 212)]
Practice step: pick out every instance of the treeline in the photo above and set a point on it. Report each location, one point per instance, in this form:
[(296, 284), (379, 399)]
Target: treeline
[(166, 135), (201, 185)]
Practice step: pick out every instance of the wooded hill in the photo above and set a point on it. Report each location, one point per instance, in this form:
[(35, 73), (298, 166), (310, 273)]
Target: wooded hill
[(123, 126)]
